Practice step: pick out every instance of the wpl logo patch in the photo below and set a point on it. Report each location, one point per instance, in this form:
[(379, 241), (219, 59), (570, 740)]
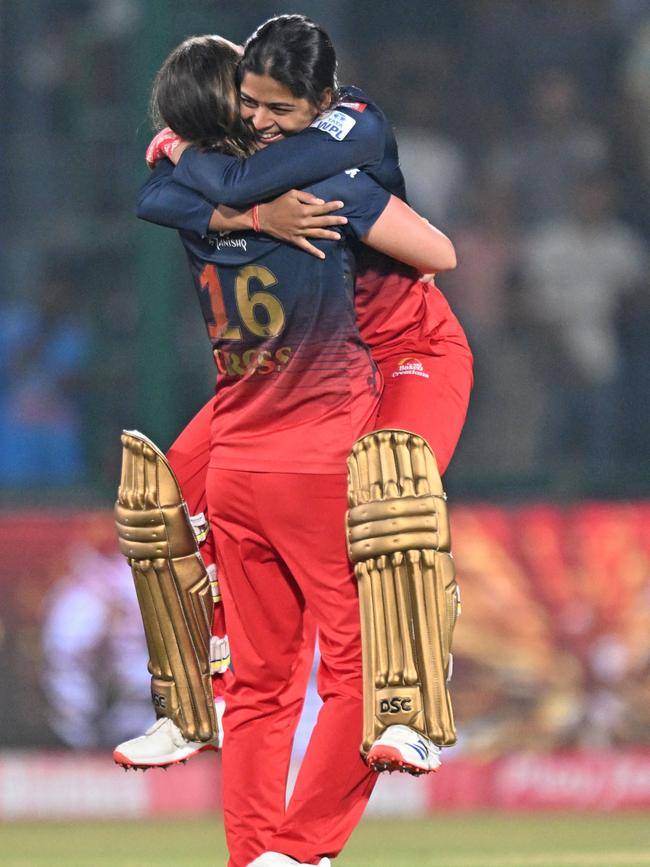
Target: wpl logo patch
[(335, 123)]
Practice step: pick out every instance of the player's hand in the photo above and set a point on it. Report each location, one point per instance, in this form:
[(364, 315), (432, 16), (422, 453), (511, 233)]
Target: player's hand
[(165, 144), (297, 216)]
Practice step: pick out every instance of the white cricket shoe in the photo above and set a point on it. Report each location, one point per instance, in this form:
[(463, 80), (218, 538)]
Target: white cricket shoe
[(163, 745), (277, 859), (401, 748)]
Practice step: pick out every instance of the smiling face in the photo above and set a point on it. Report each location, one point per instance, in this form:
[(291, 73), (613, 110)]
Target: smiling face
[(272, 112)]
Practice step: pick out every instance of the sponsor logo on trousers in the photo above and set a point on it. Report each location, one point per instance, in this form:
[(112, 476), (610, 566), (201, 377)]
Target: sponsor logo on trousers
[(410, 367), (395, 705)]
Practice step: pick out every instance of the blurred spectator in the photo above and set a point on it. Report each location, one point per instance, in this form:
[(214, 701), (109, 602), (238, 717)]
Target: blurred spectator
[(487, 243), (544, 159), (507, 45), (45, 348), (432, 162), (577, 271), (96, 678), (509, 400)]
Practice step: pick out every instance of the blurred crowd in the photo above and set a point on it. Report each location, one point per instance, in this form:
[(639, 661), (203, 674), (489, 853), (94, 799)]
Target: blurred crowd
[(524, 132)]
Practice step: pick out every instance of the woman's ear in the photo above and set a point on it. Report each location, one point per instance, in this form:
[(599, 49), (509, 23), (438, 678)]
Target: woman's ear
[(326, 99)]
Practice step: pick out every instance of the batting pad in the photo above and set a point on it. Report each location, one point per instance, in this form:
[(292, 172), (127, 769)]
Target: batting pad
[(172, 586), (399, 540)]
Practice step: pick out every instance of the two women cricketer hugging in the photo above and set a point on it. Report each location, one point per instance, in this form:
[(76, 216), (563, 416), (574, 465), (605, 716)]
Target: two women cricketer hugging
[(330, 350)]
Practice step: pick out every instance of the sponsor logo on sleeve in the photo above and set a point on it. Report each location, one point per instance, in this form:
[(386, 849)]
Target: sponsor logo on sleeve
[(335, 123), (352, 172)]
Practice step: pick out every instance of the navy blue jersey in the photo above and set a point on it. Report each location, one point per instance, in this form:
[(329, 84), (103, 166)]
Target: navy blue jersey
[(354, 134), (163, 201), (295, 381)]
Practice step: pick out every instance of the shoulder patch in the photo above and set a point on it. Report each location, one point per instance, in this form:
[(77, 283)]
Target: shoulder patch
[(335, 123), (356, 106)]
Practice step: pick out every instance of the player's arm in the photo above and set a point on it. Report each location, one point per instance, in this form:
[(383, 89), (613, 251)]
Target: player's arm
[(293, 217), (351, 139), (163, 201), (386, 223), (403, 234)]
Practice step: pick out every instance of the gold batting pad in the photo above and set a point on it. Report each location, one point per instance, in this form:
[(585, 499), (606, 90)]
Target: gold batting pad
[(172, 585), (399, 539)]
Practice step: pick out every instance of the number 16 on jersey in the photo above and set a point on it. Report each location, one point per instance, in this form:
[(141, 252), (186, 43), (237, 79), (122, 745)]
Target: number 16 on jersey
[(260, 312)]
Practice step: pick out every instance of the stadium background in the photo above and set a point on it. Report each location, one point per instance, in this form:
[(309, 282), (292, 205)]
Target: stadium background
[(524, 131)]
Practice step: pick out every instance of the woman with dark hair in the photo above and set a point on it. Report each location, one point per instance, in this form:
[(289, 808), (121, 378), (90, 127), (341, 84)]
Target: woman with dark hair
[(194, 92), (399, 315), (297, 53), (285, 417)]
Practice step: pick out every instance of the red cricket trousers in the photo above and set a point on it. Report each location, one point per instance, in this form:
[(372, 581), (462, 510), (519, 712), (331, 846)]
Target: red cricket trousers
[(427, 395), (189, 457), (281, 549), (281, 545)]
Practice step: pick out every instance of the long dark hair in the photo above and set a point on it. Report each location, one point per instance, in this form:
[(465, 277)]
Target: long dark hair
[(295, 51), (195, 93)]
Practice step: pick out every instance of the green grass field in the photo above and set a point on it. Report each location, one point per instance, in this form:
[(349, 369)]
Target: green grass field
[(480, 840)]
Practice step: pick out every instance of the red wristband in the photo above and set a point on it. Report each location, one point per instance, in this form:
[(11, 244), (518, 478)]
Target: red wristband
[(255, 216)]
